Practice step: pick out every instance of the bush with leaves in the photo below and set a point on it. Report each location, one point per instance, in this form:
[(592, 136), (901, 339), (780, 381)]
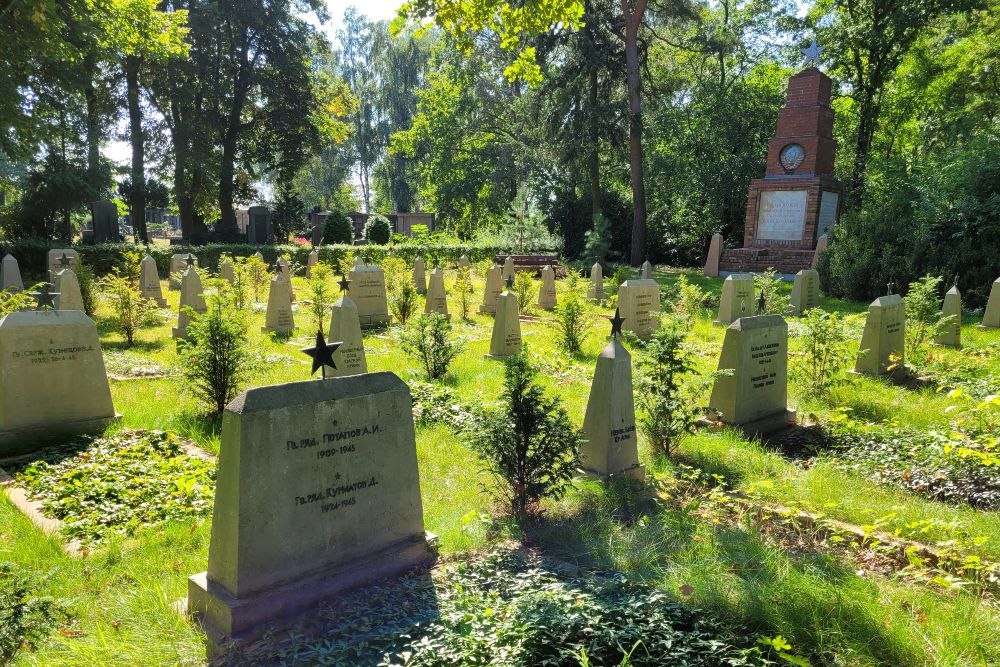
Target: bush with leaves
[(321, 296), (25, 617), (667, 406), (378, 229), (249, 280), (463, 289), (569, 315), (403, 301), (690, 300), (529, 445), (88, 292), (129, 307), (12, 299), (428, 340), (339, 228), (828, 349), (769, 284), (524, 288), (618, 276), (923, 315)]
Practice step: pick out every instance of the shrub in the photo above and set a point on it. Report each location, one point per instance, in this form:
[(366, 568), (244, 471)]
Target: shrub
[(12, 300), (249, 280), (378, 229), (463, 286), (691, 299), (923, 314), (529, 446), (668, 410), (339, 228), (129, 307), (25, 618), (85, 277), (827, 351), (769, 284), (569, 315), (620, 275), (320, 295), (428, 340), (524, 288), (403, 301)]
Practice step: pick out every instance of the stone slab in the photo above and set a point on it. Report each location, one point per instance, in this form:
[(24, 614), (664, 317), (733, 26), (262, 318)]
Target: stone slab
[(756, 350), (884, 335), (991, 318), (68, 288), (714, 255), (805, 292), (547, 299), (638, 300), (596, 290), (611, 445), (10, 275), (737, 299), (494, 286), (506, 338), (952, 307), (149, 281), (367, 291), (56, 254)]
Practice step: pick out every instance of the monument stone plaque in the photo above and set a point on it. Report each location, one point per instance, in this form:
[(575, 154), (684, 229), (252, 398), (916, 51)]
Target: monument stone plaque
[(547, 293), (782, 215), (178, 264), (638, 300), (952, 307), (596, 290), (367, 291), (506, 338), (829, 205), (345, 327), (150, 281), (68, 295), (437, 298), (278, 318)]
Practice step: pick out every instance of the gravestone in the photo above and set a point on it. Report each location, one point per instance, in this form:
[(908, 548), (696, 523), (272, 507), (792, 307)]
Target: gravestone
[(610, 446), (191, 297), (259, 255), (318, 221), (805, 292), (10, 275), (437, 297), (419, 276), (286, 271), (755, 396), (345, 327), (508, 268), (318, 492), (104, 218), (260, 231), (714, 255), (506, 338), (494, 285), (68, 295), (991, 318), (54, 257), (463, 261), (311, 263), (952, 334), (279, 318), (547, 293), (737, 298), (178, 265), (596, 291), (52, 378), (884, 335), (150, 281), (638, 300), (821, 245), (227, 271), (368, 293), (646, 273)]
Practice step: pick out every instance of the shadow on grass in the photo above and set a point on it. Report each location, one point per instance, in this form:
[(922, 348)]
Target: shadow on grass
[(204, 429)]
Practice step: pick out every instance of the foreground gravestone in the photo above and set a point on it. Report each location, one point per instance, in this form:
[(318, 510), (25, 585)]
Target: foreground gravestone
[(991, 318), (884, 337), (227, 271), (596, 290), (646, 272), (506, 338), (638, 300), (508, 268), (10, 275), (345, 327), (437, 298), (311, 263), (805, 292), (755, 395), (52, 379), (191, 298), (149, 281), (367, 291), (737, 298), (178, 265), (494, 285), (68, 295), (951, 336), (610, 446), (318, 492), (419, 276), (278, 318), (547, 293), (55, 262)]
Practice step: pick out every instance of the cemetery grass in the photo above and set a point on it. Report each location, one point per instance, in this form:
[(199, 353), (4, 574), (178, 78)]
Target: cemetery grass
[(829, 606)]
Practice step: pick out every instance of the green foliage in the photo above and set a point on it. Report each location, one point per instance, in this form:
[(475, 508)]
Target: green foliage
[(691, 300), (250, 278), (338, 229), (321, 297), (667, 408), (463, 289), (12, 300), (403, 300), (378, 229), (572, 325), (25, 617), (52, 192), (129, 307), (524, 288), (88, 288), (597, 241), (923, 315), (828, 349), (529, 446), (429, 341), (769, 284), (619, 276)]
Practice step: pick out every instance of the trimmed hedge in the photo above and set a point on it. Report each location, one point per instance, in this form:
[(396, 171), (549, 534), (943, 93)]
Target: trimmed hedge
[(31, 255)]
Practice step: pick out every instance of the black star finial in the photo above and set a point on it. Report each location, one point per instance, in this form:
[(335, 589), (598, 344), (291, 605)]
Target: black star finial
[(344, 283), (322, 354), (762, 303), (189, 260), (45, 297), (64, 261), (616, 323), (510, 282)]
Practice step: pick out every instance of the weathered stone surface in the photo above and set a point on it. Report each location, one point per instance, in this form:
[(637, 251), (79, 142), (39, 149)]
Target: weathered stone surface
[(494, 285), (884, 336), (345, 327), (279, 318), (463, 261), (609, 424), (547, 293), (318, 492), (506, 339), (56, 254), (178, 265), (638, 300), (821, 244), (191, 297), (368, 293), (755, 396), (737, 298), (714, 254), (68, 287), (437, 297), (52, 378), (596, 290), (419, 276), (805, 292), (227, 271), (646, 271), (508, 267), (991, 318), (149, 281), (952, 334), (286, 271), (10, 275), (311, 263)]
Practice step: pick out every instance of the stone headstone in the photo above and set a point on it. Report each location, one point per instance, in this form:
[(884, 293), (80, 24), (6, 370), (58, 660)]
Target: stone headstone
[(68, 287), (149, 281), (494, 285), (259, 255), (52, 378), (279, 318), (53, 261), (547, 299), (755, 396), (506, 338), (368, 293), (259, 229), (991, 318), (286, 271), (318, 492), (646, 272), (952, 334), (419, 276), (345, 327), (805, 292), (437, 297), (596, 291), (714, 255), (821, 244), (737, 298), (104, 217), (10, 275), (311, 263), (638, 300), (191, 297), (463, 262), (318, 221), (609, 424), (227, 271), (508, 268), (884, 335), (178, 265)]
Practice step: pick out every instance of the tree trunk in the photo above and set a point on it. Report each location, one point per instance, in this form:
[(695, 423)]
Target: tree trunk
[(93, 132), (227, 168), (633, 19), (868, 111), (595, 148), (137, 195)]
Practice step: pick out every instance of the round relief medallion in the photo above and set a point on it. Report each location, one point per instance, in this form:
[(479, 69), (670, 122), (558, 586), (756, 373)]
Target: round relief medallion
[(791, 156)]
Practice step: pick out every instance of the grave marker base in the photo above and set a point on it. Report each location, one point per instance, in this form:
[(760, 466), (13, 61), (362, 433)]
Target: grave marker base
[(635, 472)]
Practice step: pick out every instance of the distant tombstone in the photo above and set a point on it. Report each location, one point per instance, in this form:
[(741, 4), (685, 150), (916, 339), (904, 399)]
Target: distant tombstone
[(755, 395), (227, 271), (508, 267), (318, 492), (494, 285), (52, 379), (506, 338), (419, 276), (884, 335), (805, 292), (68, 287), (638, 300), (278, 318), (547, 293), (150, 281), (191, 297), (596, 291), (260, 231), (178, 265), (259, 255), (345, 328), (437, 297), (821, 245), (311, 263), (318, 221), (54, 257), (10, 275), (463, 261), (286, 271), (952, 334), (991, 318), (646, 272), (737, 298), (714, 255), (104, 216), (368, 293)]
